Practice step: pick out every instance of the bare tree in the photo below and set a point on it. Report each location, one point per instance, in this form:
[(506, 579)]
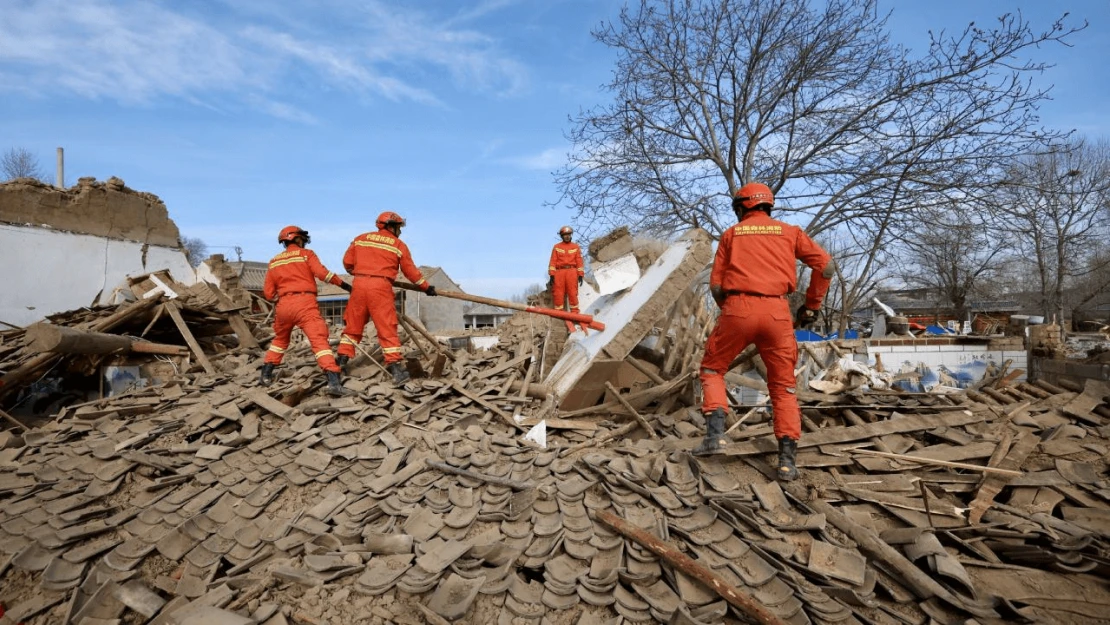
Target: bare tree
[(952, 250), (848, 129), (196, 250), (20, 163), (1059, 204), (529, 291)]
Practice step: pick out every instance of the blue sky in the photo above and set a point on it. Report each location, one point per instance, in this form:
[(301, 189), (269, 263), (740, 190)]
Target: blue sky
[(245, 116)]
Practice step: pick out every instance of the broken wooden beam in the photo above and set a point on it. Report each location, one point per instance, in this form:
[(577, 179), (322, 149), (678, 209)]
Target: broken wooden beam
[(747, 604), (47, 337), (174, 310), (994, 483)]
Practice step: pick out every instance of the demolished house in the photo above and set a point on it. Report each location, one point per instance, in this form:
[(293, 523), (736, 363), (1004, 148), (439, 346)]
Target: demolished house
[(546, 480), (85, 240)]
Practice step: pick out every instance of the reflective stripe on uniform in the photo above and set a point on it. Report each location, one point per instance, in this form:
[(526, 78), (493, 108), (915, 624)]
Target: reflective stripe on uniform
[(420, 281), (348, 340), (380, 246), (276, 349), (326, 352), (327, 278), (391, 350), (286, 261)]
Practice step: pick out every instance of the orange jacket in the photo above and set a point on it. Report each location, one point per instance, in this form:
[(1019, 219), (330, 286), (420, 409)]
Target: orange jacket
[(758, 256), (380, 254), (565, 256), (295, 271)]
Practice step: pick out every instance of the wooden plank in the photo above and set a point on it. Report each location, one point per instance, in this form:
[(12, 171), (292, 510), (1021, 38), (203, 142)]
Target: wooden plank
[(898, 424), (174, 309), (263, 400), (993, 484), (242, 330)]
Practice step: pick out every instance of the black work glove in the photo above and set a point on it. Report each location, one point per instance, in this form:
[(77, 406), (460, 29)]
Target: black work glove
[(551, 282), (346, 286), (805, 317), (579, 280), (431, 292)]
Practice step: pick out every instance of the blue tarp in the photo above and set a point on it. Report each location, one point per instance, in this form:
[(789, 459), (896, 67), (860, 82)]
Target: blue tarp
[(850, 334), (804, 336), (937, 330)]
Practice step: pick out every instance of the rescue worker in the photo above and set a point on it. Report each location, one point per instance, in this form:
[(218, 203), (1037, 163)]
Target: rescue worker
[(291, 280), (373, 259), (565, 270), (753, 272)]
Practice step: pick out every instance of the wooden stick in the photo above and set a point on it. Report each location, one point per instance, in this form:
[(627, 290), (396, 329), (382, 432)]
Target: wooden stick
[(627, 406), (492, 479), (941, 463), (621, 431), (743, 602), (16, 422), (508, 419), (419, 327)]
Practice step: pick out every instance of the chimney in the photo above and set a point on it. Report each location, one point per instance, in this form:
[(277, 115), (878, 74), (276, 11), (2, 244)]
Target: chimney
[(61, 169)]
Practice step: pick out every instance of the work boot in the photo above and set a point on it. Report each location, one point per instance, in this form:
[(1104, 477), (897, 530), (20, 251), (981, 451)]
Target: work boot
[(788, 448), (400, 373), (342, 361), (335, 389), (267, 377), (714, 431)]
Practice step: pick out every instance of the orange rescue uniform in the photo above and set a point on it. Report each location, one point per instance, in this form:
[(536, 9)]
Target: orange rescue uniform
[(373, 259), (566, 267), (755, 269), (291, 278)]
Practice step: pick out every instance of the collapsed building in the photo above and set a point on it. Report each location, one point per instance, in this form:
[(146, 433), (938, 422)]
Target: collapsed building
[(544, 480)]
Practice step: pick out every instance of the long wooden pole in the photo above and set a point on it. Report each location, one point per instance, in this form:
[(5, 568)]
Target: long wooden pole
[(478, 299), (743, 602), (940, 463)]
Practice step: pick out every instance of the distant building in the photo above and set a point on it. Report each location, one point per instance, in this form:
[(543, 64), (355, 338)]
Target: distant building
[(927, 307), (436, 313), (485, 316)]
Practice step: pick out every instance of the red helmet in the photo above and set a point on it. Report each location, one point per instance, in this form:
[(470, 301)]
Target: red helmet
[(388, 218), (566, 230), (289, 233), (752, 195)]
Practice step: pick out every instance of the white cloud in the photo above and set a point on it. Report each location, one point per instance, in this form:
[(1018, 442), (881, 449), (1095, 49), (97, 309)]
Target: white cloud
[(137, 51), (547, 160)]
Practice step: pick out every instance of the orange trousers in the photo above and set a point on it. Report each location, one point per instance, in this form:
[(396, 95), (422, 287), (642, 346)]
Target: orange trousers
[(566, 287), (300, 311), (767, 322), (371, 298)]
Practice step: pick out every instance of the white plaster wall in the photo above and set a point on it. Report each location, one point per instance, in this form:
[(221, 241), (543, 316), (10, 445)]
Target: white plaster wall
[(940, 364), (47, 271)]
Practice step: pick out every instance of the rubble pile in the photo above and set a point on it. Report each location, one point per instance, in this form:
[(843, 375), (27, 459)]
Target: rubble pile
[(209, 499)]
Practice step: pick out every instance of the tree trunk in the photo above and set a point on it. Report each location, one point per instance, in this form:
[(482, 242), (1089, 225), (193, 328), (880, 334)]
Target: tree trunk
[(46, 337)]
